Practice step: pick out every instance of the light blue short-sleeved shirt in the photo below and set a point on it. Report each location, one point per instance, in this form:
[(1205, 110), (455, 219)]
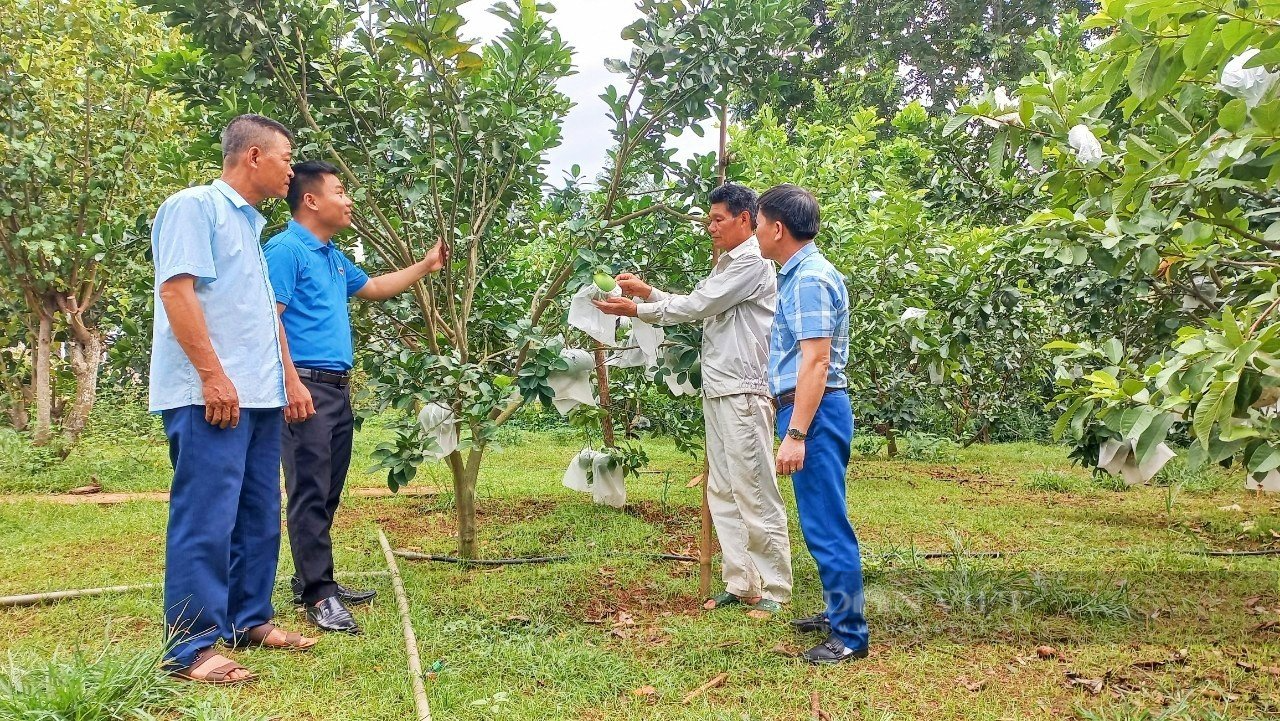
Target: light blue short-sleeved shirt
[(313, 280), (211, 233), (813, 302)]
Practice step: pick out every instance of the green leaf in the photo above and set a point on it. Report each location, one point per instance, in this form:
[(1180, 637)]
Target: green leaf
[(1113, 350), (1220, 398), (1264, 459), (954, 123), (1151, 438), (1193, 49), (1144, 76), (1233, 115)]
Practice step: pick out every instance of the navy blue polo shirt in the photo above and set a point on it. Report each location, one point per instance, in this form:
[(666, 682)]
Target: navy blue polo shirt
[(313, 280)]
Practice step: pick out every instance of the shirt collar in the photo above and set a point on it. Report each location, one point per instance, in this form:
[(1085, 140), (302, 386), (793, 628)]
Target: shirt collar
[(750, 246), (805, 251), (306, 236), (237, 200)]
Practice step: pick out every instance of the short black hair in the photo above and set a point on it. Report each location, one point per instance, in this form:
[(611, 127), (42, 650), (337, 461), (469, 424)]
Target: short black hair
[(794, 207), (248, 130), (736, 198), (305, 176)]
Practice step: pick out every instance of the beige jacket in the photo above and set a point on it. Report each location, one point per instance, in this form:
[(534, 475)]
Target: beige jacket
[(736, 303)]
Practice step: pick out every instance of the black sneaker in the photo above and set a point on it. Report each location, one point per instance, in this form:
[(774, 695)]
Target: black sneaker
[(817, 622), (832, 651)]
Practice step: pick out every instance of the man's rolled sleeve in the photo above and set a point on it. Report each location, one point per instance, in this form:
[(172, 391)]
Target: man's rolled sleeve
[(183, 240), (816, 314)]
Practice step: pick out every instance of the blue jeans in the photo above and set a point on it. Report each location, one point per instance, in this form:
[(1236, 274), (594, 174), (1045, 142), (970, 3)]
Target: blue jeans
[(223, 538), (824, 515)]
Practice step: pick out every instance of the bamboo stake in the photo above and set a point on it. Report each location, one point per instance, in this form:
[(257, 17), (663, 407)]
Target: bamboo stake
[(713, 683), (32, 599), (410, 640)]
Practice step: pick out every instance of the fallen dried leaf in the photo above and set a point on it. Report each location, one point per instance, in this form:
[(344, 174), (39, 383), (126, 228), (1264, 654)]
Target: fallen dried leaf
[(1220, 695), (694, 482), (1232, 507), (975, 686), (1046, 652), (645, 691), (85, 490), (1092, 685), (1179, 656)]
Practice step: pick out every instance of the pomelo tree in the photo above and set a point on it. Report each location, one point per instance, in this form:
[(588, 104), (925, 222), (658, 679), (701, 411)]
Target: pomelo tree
[(84, 158), (439, 138), (1159, 161)]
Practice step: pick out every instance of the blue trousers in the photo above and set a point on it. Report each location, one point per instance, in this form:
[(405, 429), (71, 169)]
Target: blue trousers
[(223, 538), (824, 515)]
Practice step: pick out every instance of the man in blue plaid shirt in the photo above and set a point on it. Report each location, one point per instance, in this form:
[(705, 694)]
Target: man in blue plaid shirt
[(808, 350)]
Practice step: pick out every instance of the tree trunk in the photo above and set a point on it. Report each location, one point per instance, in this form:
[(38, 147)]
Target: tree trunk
[(86, 356), (892, 438), (42, 379), (465, 476)]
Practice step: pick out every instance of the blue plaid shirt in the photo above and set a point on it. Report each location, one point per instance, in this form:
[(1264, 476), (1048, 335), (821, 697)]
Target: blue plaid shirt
[(812, 303)]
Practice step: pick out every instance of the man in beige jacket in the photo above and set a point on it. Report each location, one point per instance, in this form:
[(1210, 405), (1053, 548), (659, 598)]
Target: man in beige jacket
[(736, 304)]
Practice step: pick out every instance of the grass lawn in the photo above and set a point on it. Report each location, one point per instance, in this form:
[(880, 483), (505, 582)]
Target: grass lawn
[(1140, 624)]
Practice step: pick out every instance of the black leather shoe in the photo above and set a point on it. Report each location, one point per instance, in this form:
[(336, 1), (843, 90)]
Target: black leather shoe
[(832, 651), (330, 615), (348, 596), (809, 624), (352, 597)]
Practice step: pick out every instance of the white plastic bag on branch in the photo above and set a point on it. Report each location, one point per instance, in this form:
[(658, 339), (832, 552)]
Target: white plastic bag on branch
[(578, 475), (1119, 458), (641, 346), (1082, 140), (441, 426), (595, 472), (573, 386), (1249, 84), (589, 319), (1269, 483), (607, 485)]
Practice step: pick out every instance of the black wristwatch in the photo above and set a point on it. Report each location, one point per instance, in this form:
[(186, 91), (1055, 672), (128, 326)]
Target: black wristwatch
[(797, 434)]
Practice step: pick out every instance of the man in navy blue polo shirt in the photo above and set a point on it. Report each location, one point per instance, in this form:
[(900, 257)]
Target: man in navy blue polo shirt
[(312, 281)]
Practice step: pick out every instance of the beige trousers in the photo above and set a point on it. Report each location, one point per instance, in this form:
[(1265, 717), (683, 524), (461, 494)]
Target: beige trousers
[(742, 491)]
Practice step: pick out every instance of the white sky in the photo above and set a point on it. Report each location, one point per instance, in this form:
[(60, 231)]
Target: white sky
[(592, 28)]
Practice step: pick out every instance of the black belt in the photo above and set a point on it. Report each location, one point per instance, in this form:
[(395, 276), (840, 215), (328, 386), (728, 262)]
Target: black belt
[(332, 378), (787, 398)]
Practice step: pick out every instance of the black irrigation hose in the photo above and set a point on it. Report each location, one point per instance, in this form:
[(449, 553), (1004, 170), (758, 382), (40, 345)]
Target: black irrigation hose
[(527, 560)]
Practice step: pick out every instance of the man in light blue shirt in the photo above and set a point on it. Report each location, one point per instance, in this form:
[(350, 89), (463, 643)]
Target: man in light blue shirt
[(220, 375), (809, 347)]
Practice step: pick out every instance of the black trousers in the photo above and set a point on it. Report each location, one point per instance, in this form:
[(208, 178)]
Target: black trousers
[(316, 454)]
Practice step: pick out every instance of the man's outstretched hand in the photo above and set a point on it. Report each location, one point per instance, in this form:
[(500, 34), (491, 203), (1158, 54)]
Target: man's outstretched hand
[(633, 286), (617, 306), (436, 258)]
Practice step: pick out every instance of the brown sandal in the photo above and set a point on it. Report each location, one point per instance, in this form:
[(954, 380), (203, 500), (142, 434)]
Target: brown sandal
[(220, 676), (257, 636)]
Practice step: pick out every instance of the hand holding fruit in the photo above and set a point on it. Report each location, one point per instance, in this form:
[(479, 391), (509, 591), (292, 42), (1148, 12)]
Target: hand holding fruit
[(617, 306), (633, 286)]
